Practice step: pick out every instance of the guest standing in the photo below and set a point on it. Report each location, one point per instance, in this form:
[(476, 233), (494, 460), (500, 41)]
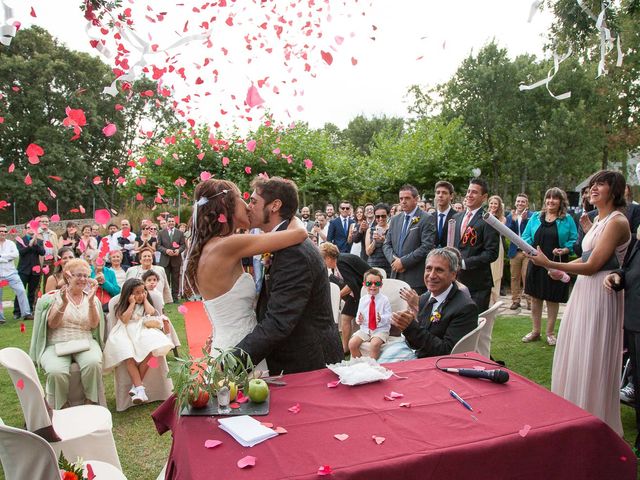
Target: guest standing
[(554, 232), (171, 244), (588, 359), (518, 261), (339, 228), (375, 236), (30, 249), (496, 208), (443, 196)]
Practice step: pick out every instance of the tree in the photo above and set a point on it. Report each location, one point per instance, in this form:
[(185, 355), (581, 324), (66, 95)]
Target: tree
[(361, 130), (39, 79)]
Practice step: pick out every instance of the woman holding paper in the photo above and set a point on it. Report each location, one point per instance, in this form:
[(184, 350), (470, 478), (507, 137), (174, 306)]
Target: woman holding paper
[(588, 359), (554, 232)]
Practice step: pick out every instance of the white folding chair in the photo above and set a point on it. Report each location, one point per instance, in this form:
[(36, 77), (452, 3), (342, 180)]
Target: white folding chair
[(391, 289), (469, 343), (335, 301), (484, 340), (157, 384), (26, 455), (84, 431)]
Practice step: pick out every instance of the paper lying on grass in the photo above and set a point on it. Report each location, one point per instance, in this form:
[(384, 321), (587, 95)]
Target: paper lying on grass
[(359, 370), (247, 431)]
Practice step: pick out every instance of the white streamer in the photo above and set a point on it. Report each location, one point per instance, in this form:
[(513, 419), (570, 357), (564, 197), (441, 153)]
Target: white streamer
[(535, 6), (557, 60)]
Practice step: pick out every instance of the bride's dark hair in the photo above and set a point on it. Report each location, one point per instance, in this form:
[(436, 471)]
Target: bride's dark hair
[(213, 216)]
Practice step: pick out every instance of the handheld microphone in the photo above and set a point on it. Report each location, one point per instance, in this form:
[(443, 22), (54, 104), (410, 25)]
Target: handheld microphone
[(498, 376)]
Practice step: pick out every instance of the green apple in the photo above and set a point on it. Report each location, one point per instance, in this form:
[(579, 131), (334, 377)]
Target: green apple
[(258, 390)]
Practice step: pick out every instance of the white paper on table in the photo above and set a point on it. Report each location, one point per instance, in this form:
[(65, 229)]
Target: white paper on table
[(246, 430)]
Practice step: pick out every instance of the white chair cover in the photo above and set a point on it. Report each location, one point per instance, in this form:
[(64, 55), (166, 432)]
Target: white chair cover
[(469, 343), (484, 340), (26, 455), (335, 301), (158, 386), (76, 390), (85, 431)]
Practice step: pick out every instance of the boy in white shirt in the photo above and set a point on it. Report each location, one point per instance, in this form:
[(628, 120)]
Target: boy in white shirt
[(374, 317)]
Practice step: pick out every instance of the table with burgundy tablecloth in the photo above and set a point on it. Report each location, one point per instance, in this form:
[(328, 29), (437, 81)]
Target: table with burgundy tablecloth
[(517, 430)]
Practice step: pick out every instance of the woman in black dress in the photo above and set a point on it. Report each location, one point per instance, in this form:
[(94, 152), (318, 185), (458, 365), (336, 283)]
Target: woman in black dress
[(555, 232)]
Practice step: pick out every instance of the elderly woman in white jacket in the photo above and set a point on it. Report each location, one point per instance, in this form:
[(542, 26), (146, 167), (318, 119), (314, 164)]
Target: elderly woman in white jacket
[(146, 263)]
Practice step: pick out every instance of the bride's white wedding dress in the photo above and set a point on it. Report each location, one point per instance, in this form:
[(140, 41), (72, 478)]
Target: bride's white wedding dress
[(232, 314)]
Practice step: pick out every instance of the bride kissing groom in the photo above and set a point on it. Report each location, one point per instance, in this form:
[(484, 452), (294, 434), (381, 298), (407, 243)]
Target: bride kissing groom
[(293, 330)]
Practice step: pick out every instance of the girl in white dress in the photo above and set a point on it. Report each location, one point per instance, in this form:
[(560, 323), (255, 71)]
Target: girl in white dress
[(136, 336), (213, 267)]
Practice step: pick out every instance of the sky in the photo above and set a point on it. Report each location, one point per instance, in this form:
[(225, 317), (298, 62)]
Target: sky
[(415, 42)]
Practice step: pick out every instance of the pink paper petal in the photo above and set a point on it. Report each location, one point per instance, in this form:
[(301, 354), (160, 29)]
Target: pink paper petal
[(204, 176), (253, 97), (324, 470), (90, 473), (327, 57), (109, 130), (153, 362), (378, 440), (333, 384), (55, 218), (251, 145), (247, 461), (396, 395), (280, 430), (222, 218), (234, 405), (182, 309), (212, 443), (406, 404), (267, 424), (524, 431), (389, 398), (308, 164), (102, 216), (20, 384), (341, 436), (242, 398), (295, 408)]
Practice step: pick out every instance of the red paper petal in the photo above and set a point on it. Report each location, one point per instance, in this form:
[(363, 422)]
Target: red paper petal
[(341, 436), (253, 97), (280, 430), (20, 384), (247, 461), (324, 470), (204, 176), (378, 440), (295, 408), (212, 443), (42, 207), (524, 431), (27, 180), (222, 218), (102, 216), (109, 130), (234, 405), (327, 57), (153, 362), (23, 328), (333, 384), (90, 474)]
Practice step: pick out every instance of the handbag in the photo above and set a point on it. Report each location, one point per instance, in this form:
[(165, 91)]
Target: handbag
[(72, 346)]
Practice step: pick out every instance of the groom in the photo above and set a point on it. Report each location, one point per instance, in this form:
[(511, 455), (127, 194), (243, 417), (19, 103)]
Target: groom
[(296, 331)]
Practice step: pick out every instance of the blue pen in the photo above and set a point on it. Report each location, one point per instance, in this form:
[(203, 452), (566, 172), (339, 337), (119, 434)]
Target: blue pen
[(461, 400)]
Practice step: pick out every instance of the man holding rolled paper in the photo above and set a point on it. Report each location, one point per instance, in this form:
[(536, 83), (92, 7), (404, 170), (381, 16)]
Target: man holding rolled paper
[(478, 244)]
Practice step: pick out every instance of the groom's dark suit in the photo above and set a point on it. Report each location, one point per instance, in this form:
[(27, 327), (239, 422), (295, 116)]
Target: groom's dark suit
[(296, 331)]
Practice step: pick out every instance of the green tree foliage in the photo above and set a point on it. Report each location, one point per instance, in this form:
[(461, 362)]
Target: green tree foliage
[(39, 79), (361, 130)]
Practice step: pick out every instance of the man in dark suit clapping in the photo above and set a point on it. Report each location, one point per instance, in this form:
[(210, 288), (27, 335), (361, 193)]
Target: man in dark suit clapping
[(171, 245), (437, 320), (410, 238), (339, 228), (478, 244)]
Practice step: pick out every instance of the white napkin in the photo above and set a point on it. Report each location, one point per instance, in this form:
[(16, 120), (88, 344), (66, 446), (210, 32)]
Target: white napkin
[(246, 430), (359, 370)]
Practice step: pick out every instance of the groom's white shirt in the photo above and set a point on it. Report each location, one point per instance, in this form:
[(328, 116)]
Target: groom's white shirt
[(278, 226)]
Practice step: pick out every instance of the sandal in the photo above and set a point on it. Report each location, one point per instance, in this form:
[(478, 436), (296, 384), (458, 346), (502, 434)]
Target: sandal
[(552, 340), (531, 337)]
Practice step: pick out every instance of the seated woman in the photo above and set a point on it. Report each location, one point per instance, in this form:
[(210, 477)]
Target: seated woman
[(68, 327), (136, 336), (115, 258), (56, 279), (146, 263)]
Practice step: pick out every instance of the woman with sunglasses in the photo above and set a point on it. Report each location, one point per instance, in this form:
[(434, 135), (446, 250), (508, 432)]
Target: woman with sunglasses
[(69, 327), (375, 239)]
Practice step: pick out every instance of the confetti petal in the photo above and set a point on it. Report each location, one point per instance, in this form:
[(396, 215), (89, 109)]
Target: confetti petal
[(204, 176), (295, 408), (23, 327), (153, 362), (327, 57), (396, 395), (90, 474), (281, 430), (212, 443), (222, 218), (524, 431), (234, 405), (20, 384), (242, 398), (333, 384), (378, 440), (341, 436), (109, 130), (253, 97), (324, 470), (251, 145), (267, 424), (182, 309), (247, 461), (406, 404), (102, 216)]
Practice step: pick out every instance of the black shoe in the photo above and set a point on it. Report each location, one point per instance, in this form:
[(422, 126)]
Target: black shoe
[(514, 306), (28, 317)]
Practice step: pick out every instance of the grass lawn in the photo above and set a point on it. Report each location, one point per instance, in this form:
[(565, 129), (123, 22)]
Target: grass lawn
[(143, 452)]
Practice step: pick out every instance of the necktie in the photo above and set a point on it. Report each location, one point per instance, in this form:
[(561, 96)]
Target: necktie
[(465, 223), (429, 309), (440, 224), (403, 234), (372, 314), (344, 223)]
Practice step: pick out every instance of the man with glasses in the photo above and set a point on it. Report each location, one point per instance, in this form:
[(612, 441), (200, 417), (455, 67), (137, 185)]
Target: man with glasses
[(9, 275), (411, 236), (339, 228), (50, 241), (30, 248)]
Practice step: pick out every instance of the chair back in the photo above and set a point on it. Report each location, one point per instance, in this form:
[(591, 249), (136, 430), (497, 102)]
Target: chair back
[(26, 455), (469, 343), (335, 301), (484, 341), (30, 393)]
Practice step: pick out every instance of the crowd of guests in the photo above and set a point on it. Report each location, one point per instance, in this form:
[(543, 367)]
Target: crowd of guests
[(451, 259), (81, 278)]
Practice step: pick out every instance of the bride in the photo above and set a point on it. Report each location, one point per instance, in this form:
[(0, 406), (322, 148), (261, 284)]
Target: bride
[(213, 264)]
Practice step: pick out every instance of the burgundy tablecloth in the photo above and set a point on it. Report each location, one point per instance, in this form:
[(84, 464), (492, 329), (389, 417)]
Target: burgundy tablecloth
[(518, 430)]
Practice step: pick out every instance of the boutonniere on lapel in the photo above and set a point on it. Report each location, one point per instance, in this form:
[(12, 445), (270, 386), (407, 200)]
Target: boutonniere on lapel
[(435, 317), (267, 258), (470, 236), (415, 221)]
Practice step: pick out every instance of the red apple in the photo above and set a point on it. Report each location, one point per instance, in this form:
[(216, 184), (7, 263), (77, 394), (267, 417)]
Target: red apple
[(201, 400)]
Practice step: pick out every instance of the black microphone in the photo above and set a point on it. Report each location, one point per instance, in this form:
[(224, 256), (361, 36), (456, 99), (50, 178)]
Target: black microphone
[(498, 376)]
